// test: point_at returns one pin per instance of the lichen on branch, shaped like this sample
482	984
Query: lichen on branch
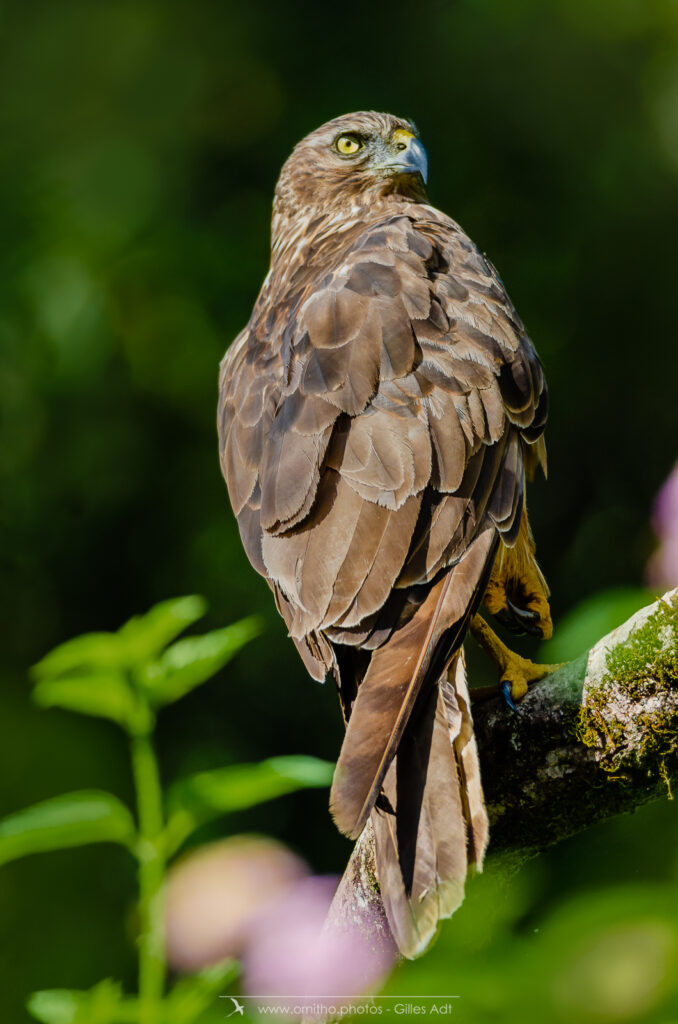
629	711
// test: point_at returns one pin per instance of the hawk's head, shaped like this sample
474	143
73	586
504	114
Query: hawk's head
356	155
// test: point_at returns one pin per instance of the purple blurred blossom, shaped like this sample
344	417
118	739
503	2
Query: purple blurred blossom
289	957
661	572
665	511
213	893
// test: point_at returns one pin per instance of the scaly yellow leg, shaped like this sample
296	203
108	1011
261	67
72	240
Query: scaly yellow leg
513	669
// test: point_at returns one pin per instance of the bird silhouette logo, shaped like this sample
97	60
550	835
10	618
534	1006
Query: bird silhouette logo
237	1008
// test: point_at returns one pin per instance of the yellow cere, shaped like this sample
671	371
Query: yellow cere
348	144
401	137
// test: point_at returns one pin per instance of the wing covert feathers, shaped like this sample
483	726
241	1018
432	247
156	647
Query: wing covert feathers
391	356
389	690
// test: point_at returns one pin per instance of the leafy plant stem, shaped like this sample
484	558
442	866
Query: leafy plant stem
151	857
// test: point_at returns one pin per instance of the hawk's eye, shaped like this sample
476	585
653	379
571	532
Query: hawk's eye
347	145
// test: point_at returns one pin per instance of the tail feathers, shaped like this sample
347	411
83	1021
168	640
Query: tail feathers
430	824
454	687
393	682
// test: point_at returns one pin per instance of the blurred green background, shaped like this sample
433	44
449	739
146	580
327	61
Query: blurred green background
141	141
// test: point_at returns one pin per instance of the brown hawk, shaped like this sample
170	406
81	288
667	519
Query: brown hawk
378	416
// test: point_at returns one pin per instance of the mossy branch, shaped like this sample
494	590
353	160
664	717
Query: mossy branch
597	738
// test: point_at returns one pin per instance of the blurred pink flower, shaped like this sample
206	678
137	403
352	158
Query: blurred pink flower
289	958
661	572
213	893
665	511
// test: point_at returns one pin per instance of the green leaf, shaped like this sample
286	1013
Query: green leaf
55	1005
74	819
207	795
89	651
144	636
191	996
141	638
240	786
104	694
305	772
594	618
103	1004
190	662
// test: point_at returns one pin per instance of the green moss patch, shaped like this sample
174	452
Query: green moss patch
631	717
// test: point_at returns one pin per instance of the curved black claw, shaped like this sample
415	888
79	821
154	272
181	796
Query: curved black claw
519	620
506	694
508	621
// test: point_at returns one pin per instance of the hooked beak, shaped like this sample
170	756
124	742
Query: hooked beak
416	160
412	160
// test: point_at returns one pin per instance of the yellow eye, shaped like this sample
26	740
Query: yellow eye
347	145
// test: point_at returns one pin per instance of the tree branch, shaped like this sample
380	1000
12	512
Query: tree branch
597	738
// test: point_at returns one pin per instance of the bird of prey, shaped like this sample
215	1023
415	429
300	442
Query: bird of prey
378	417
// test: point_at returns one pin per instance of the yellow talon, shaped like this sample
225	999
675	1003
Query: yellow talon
517	593
519	672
